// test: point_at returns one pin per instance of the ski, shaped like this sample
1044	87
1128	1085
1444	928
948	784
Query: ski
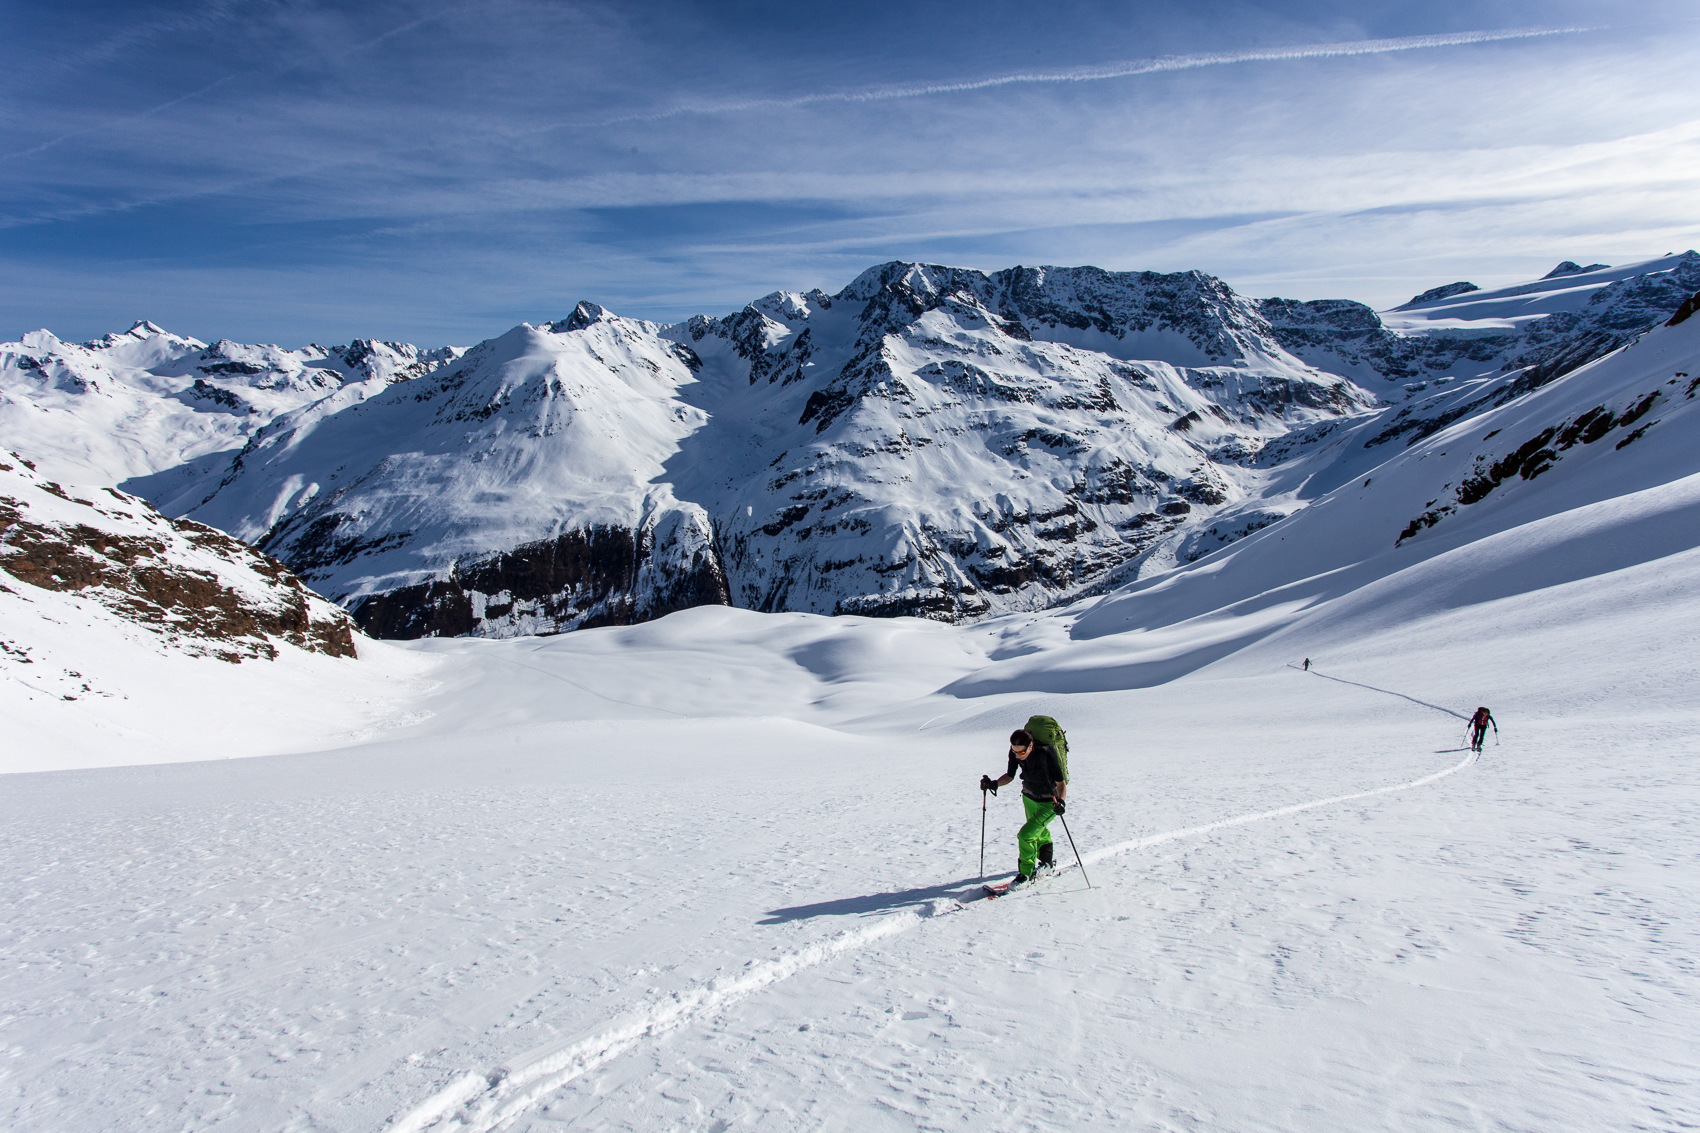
1001	888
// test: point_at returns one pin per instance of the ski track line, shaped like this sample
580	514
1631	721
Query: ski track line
481	1102
593	692
1278	812
1385	692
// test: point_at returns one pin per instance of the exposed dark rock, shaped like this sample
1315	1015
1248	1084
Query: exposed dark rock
204	390
1444	291
1686	311
1571	267
583	315
143	578
578	580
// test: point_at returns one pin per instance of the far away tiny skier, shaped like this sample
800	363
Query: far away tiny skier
1479	726
1044	792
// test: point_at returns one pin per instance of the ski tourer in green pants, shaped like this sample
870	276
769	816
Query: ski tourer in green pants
1044	790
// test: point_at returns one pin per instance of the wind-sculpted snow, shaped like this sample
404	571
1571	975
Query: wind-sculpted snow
658	876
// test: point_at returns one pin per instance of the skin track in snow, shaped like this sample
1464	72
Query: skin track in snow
482	1102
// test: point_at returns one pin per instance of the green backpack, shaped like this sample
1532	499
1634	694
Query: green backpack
1045	730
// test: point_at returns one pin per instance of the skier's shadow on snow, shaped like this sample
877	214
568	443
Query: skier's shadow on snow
1383	691
871	903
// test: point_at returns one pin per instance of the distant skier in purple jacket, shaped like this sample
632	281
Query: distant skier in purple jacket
1479	726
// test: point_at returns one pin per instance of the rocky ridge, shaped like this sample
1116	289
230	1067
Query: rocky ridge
198	590
930	440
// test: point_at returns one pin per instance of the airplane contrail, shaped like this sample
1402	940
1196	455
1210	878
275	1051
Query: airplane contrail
1104	71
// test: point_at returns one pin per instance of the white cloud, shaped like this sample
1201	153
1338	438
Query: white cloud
418	155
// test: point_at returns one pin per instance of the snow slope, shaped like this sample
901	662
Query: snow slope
716	871
147	401
563	900
123	637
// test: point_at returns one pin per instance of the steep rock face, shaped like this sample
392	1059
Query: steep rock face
939	442
594	576
200	590
929	440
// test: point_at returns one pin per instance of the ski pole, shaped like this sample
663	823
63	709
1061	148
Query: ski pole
1076	850
982	832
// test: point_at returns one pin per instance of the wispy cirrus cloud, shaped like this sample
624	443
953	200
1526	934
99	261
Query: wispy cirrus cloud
1098	73
442	160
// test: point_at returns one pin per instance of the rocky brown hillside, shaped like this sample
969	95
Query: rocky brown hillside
201	590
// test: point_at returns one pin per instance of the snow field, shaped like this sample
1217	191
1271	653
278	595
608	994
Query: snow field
665	922
86	688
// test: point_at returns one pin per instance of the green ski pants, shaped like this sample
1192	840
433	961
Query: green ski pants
1035	833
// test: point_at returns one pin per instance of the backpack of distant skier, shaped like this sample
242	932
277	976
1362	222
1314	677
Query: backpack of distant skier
1045	730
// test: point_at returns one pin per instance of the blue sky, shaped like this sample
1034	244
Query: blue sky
436	172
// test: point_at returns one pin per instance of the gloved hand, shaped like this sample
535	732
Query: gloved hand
987	783
1058	806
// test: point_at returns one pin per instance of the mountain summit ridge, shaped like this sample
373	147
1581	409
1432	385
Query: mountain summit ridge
937	441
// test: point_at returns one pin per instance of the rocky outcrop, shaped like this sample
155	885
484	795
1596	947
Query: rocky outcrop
578	580
1571	267
1435	294
197	588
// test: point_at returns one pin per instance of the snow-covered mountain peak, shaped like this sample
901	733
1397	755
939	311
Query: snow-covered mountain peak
1514	306
145	401
144	345
1571	267
929	440
907	276
584	314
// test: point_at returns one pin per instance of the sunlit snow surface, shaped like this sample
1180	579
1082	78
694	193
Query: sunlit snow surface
717	871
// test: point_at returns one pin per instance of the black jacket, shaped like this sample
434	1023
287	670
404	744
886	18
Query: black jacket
1040	772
